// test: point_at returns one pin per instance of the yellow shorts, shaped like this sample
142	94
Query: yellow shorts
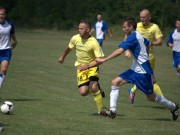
83	77
152	61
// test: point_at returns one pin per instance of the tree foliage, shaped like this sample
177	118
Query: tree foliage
64	14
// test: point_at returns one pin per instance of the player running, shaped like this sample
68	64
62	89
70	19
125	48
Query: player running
140	73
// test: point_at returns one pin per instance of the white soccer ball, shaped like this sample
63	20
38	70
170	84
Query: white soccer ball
7	107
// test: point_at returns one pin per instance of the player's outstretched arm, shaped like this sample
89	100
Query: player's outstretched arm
112	55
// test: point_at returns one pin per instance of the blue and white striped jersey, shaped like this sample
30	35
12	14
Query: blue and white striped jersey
100	27
138	46
6	30
174	38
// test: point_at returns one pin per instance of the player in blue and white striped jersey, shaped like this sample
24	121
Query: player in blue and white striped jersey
140	73
101	27
7	43
173	42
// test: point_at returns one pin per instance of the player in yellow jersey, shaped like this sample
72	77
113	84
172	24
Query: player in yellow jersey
87	50
152	32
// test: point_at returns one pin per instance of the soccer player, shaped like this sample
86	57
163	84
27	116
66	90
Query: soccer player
7	43
140	73
101	27
173	42
151	32
87	50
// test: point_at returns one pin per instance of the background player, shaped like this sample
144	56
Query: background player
173	42
7	34
151	32
101	27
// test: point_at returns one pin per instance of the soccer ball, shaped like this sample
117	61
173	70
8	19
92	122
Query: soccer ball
7	107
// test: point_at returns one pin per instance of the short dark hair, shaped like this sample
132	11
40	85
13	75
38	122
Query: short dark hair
2	8
178	19
131	21
86	22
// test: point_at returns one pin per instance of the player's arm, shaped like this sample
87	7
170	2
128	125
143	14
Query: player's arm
88	66
14	41
170	45
65	53
91	31
169	41
110	33
157	42
111	56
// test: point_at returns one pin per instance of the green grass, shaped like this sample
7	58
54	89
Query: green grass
47	101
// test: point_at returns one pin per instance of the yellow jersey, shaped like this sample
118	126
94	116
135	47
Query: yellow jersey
87	50
150	32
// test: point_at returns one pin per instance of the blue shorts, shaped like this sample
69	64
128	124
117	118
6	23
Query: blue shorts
143	81
5	55
176	59
100	41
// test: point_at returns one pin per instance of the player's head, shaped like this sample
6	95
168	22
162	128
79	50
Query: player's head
2	14
145	16
129	25
178	24
84	28
99	17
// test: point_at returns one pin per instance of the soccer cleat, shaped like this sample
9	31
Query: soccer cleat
175	112
131	96
106	112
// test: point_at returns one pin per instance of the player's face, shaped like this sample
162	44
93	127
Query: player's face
127	29
99	18
2	15
145	18
84	30
178	25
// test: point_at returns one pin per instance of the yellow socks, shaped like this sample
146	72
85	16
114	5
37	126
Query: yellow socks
157	90
98	100
134	89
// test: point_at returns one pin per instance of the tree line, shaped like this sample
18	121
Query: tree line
65	14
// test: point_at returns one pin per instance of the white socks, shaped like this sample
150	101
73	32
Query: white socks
163	101
1	79
114	97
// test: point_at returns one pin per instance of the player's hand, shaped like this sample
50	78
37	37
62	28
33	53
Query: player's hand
82	67
128	54
100	60
171	46
61	59
110	35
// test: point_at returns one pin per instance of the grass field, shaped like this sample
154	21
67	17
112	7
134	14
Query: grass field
47	101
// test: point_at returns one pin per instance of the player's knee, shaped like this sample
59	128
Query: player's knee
115	82
151	97
94	85
3	70
178	68
84	93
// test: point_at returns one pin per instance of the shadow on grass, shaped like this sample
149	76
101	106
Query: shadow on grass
120	116
96	114
22	99
157	119
146	106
